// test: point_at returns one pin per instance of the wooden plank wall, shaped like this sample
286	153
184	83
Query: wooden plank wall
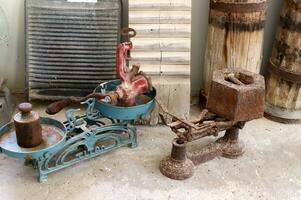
162	44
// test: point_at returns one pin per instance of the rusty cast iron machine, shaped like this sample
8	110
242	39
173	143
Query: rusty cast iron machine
236	96
112	109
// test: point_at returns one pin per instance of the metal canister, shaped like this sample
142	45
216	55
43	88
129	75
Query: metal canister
28	127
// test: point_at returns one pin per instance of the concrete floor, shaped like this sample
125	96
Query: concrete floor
269	169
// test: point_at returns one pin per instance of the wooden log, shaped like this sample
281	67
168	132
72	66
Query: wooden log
235	36
283	95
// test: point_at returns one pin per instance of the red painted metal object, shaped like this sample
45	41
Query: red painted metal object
133	83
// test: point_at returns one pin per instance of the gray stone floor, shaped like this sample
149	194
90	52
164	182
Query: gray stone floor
269	169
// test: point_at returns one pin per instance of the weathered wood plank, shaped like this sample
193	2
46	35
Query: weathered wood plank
168	58
175	70
161	44
149	69
163	27
149	58
174	5
146	44
162	30
175	58
159	17
144	17
175	45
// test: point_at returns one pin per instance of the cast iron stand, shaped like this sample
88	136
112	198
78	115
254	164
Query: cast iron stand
180	164
87	137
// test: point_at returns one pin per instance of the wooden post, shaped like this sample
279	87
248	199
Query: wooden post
235	36
283	96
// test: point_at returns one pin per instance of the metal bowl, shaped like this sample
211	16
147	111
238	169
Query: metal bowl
53	133
146	103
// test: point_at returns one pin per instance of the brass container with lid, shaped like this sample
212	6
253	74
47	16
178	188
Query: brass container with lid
28	127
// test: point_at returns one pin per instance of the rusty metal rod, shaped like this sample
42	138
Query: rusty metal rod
231	77
164	109
60	105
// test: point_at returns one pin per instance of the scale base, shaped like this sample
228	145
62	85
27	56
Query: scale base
85	143
87	137
177	166
180	164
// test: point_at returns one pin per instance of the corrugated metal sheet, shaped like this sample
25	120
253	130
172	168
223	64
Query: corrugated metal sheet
163	40
70	46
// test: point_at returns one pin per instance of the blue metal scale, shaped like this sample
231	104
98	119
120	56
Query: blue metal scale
102	129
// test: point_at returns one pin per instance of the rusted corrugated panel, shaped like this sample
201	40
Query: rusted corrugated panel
163	40
70	46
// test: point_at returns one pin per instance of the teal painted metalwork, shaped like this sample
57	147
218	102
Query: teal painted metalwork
124	113
102	129
9	146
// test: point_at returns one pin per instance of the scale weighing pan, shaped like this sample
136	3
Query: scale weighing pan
53	133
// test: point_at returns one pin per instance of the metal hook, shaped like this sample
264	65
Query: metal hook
129	32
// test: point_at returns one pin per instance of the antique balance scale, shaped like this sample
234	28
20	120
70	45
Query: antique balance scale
111	111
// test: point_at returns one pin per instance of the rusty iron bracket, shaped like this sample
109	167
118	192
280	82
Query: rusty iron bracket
185	122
